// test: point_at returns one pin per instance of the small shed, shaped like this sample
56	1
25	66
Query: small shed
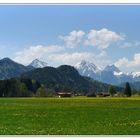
64	94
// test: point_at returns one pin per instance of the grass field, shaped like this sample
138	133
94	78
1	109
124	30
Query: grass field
70	116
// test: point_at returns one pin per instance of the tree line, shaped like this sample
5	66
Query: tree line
23	87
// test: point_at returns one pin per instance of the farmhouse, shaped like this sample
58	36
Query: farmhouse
103	94
64	94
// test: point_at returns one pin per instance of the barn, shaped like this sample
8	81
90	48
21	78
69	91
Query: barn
64	94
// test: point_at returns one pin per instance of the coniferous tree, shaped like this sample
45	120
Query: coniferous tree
127	90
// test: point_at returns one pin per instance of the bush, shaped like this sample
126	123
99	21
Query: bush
44	92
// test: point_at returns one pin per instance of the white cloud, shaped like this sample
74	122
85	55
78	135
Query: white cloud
58	55
129	65
70	58
102	38
73	39
75	57
33	52
102	59
130	44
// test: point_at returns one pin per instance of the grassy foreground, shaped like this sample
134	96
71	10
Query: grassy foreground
71	116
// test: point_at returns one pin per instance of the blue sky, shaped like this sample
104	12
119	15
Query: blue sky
67	34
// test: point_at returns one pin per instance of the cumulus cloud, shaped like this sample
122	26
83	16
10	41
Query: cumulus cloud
33	52
102	59
70	58
58	55
75	57
102	38
130	65
73	39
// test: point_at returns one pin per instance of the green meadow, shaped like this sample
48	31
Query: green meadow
70	116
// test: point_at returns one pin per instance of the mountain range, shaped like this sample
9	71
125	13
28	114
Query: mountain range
110	74
9	68
62	78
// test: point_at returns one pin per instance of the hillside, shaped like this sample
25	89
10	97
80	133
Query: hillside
9	68
65	78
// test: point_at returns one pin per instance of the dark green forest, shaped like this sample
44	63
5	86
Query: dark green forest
18	87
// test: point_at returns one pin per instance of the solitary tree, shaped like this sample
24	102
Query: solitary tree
112	90
41	92
23	91
127	90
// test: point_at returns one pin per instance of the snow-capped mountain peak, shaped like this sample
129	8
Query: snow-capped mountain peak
88	69
38	64
87	66
118	73
135	74
112	68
